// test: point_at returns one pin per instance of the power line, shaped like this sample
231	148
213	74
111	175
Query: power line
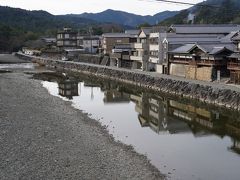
177	2
229	12
184	3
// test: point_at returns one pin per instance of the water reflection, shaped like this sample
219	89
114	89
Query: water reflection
68	88
160	114
172	123
164	115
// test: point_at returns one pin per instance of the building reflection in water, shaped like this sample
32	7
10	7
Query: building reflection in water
236	146
153	113
165	114
68	88
114	96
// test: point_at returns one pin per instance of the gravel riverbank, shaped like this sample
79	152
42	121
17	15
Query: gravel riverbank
43	137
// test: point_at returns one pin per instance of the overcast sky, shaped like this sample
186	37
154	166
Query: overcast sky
143	7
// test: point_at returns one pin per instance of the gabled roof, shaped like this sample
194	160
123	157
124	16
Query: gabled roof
187	48
228	38
235	55
173	38
236	38
217	50
146	31
211	49
205	28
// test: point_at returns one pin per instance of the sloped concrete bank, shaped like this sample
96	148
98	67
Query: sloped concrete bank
220	95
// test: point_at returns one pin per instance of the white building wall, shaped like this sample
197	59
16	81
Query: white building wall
159	68
153	47
154	35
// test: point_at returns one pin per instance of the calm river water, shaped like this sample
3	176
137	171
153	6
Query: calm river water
185	140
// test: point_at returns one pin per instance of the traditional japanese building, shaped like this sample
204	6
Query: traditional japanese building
179	35
200	61
234	62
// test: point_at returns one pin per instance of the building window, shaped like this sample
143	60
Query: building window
66	43
165	45
165	56
154	41
143	40
66	36
154	53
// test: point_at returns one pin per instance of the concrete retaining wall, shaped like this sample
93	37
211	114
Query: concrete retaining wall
89	58
205	93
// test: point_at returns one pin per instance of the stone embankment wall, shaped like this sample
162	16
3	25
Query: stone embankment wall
204	92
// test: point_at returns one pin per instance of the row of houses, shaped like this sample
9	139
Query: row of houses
201	52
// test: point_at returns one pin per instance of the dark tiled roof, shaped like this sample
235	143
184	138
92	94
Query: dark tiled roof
205	29
184	49
211	49
147	30
236	38
235	55
229	37
216	48
173	38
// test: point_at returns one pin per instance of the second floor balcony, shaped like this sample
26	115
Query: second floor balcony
234	66
154	60
140	46
153	47
136	58
203	62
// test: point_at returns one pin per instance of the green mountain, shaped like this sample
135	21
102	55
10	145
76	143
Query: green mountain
18	26
38	21
127	19
208	12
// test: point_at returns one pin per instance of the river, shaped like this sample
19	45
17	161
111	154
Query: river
183	139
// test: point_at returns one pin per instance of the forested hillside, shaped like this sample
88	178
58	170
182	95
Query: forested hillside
209	12
127	19
18	26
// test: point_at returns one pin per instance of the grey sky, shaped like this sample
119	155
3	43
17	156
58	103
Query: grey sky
146	7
